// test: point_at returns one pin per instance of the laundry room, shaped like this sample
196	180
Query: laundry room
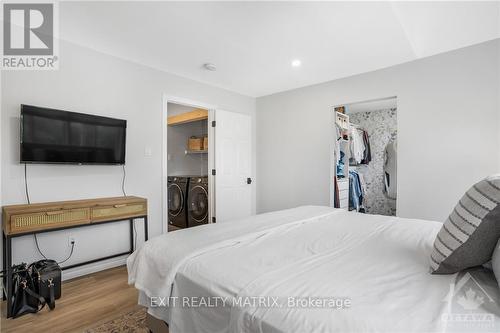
187	166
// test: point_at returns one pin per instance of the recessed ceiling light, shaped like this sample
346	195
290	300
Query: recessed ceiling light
296	63
210	67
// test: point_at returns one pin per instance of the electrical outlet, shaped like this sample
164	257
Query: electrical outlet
71	240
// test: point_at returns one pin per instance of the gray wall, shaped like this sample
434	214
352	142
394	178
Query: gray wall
448	124
92	82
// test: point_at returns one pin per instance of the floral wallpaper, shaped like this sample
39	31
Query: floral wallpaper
381	126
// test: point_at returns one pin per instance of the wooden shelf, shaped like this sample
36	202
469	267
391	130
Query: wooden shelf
187	117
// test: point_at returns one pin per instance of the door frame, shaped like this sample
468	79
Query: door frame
164	155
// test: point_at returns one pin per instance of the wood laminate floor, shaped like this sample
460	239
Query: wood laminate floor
85	302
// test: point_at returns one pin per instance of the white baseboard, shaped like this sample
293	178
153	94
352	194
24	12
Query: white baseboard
93	268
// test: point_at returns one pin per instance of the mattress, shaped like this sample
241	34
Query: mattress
309	269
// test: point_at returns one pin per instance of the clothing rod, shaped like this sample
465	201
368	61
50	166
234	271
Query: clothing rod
356	125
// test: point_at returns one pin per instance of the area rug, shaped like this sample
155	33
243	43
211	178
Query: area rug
134	321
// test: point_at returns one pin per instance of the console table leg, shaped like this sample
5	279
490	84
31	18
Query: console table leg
4	267
146	228
8	263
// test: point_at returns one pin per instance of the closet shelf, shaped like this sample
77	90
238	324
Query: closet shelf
195	152
188	117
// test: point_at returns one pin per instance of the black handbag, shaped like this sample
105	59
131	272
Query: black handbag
46	275
24	298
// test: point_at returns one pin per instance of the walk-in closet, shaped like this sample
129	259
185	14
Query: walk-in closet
364	158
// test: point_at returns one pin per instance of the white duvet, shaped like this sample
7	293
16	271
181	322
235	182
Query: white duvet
379	264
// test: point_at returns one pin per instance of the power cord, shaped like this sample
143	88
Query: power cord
123	180
135	236
34	235
59	262
70	254
26	183
125	194
38	247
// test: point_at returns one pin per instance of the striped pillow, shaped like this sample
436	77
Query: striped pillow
469	235
495	262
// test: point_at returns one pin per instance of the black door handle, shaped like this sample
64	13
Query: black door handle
249	181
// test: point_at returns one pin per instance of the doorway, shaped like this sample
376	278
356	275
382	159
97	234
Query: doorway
216	146
365	156
188	150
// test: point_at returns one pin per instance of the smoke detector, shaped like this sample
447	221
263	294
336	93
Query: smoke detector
210	67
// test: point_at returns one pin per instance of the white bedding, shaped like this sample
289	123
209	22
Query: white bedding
380	264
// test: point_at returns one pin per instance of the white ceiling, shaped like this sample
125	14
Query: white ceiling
253	43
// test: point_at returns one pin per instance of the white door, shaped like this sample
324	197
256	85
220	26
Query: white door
233	183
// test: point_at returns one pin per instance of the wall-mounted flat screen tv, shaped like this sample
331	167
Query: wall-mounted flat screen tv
56	136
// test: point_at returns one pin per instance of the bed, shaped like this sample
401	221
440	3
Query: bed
311	269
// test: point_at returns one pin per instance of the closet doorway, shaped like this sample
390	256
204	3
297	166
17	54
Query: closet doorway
364	159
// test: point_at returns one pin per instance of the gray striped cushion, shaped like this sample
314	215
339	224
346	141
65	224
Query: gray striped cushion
469	235
495	262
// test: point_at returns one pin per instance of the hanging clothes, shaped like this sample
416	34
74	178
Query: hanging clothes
340	165
363	184
367	156
343	147
338	137
355	191
360	146
357	146
390	170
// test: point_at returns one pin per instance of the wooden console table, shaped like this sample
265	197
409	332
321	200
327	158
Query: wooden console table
21	220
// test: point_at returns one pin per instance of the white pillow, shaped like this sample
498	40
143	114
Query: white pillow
495	262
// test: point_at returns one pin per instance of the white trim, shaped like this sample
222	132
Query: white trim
211	116
368	101
164	184
188	102
333	162
97	267
1	204
211	165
